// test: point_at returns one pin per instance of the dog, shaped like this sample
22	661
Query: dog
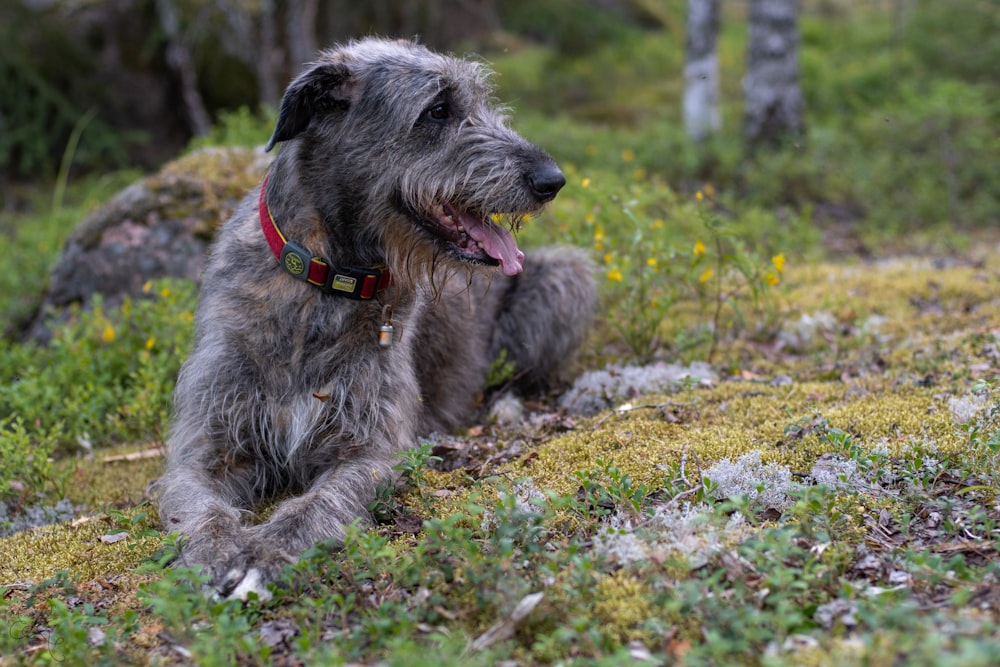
356	300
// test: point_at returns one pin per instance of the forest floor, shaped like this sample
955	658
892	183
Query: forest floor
831	499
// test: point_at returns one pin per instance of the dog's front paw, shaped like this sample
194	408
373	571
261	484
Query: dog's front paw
240	583
251	572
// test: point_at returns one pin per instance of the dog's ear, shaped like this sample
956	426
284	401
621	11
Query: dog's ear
325	87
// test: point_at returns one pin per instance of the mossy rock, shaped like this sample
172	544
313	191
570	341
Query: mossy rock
158	227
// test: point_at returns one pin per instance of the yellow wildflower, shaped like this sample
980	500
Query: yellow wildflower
108	334
628	155
609	258
585	183
651	262
165	292
657	224
706	276
779	262
699	249
146	286
699	196
709	190
771	278
615	274
150	342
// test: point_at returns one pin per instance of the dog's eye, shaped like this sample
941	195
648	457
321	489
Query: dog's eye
439	112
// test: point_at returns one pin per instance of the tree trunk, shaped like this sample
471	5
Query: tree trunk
774	103
180	61
300	34
270	72
701	70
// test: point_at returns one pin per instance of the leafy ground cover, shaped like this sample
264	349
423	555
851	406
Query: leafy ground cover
782	448
828	497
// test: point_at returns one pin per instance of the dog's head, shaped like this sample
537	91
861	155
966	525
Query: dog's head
404	147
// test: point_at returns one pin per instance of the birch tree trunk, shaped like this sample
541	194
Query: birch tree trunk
179	59
701	70
300	34
773	99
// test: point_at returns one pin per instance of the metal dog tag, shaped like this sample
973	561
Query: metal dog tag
386	332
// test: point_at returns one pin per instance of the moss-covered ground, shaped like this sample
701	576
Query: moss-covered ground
615	517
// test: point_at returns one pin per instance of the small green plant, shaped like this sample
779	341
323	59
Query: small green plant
135	525
873	463
240	127
27	470
648	277
605	489
216	632
411	476
415	463
76	634
501	371
737	270
983	433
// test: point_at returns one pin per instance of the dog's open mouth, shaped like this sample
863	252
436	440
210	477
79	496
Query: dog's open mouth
475	239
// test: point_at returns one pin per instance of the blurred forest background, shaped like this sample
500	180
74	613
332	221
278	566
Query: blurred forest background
901	104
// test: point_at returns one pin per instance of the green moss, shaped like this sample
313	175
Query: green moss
109	480
228	171
623	605
208	184
110	490
36	555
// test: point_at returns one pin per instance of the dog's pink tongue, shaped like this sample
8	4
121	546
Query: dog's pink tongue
497	241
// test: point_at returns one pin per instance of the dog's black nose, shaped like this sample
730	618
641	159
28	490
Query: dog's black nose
546	182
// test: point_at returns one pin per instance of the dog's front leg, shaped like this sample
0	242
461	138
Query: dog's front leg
334	501
212	537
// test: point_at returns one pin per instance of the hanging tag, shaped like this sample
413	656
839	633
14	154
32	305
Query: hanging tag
386	331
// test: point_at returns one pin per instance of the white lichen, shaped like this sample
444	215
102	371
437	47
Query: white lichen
679	530
965	409
766	484
600	390
527	503
803	333
835	472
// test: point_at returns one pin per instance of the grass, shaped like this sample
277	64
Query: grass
829	499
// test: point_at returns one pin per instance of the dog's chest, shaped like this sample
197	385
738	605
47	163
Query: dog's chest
344	399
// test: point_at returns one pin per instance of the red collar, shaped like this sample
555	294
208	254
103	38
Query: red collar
302	264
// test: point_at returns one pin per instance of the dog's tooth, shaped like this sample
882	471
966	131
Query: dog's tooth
460	228
480	244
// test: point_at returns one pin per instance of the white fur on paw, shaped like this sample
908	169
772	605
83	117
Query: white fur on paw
251	583
507	411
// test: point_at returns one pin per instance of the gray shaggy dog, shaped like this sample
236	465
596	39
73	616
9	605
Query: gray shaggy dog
356	300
